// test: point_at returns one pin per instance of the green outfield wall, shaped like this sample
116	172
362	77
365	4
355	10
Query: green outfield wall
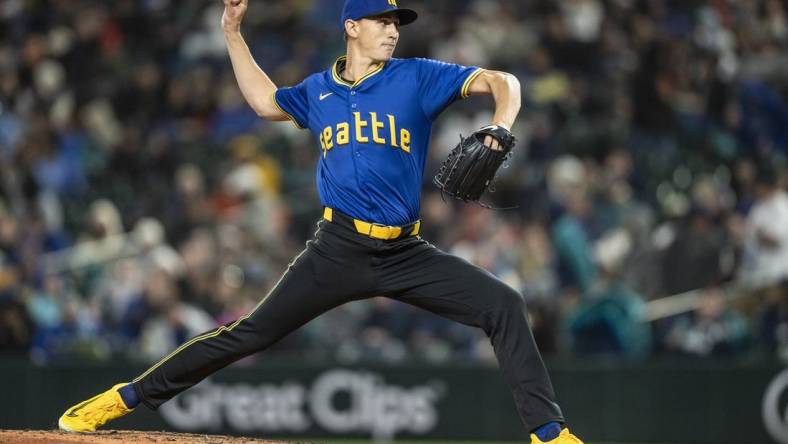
659	402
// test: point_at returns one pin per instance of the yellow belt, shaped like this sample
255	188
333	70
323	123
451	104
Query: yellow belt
376	231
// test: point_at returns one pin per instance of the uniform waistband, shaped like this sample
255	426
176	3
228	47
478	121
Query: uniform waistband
373	230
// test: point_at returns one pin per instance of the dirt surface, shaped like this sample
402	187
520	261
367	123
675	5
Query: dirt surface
119	436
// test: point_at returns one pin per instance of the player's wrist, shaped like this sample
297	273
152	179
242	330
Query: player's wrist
502	124
232	35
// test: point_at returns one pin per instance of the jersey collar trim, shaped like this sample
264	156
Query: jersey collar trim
341	81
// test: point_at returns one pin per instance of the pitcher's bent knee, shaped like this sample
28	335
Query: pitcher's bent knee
507	303
510	300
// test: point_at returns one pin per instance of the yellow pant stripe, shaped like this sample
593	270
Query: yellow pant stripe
219	330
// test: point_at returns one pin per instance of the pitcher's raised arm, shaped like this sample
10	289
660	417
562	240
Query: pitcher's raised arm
256	87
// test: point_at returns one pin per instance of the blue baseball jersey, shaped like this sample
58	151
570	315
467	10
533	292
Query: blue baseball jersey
374	134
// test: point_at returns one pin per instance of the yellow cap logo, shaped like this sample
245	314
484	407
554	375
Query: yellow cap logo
393	3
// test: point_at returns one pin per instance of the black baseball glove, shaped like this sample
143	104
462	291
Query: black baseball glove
471	166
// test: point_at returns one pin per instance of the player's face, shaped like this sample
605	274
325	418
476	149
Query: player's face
378	36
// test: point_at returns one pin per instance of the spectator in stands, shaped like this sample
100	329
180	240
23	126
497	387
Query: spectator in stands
765	255
714	328
571	235
611	319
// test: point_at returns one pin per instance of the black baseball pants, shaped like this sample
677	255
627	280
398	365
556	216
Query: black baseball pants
340	265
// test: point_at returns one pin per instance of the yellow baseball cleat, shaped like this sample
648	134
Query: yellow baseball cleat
89	415
564	438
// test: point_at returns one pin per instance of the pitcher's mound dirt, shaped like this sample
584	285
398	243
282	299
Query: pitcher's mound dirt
119	436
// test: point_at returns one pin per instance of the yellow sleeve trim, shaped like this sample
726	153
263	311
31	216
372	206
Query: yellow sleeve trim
289	116
467	84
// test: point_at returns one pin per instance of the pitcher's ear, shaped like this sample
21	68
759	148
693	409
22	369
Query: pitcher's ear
351	29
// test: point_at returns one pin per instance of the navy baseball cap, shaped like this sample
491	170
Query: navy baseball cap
359	9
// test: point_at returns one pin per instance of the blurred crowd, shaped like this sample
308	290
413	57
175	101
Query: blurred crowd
142	202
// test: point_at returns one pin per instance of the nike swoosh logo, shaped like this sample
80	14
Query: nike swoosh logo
323	96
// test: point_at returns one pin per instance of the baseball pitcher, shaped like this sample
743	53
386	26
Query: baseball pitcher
371	116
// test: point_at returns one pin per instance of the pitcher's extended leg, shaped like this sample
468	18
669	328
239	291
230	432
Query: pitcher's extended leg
316	281
449	286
